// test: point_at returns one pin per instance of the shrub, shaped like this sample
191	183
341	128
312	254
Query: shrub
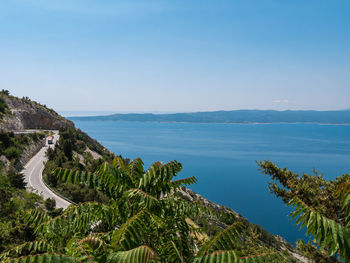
12	153
67	149
5	140
16	179
5	92
50	154
3	105
52	180
50	204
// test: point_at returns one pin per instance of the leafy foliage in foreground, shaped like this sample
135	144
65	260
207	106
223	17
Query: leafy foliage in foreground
46	258
327	232
13	202
143	221
139	254
322	206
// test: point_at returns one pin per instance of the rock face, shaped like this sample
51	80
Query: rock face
27	114
29	152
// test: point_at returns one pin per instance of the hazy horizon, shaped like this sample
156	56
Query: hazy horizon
183	56
89	113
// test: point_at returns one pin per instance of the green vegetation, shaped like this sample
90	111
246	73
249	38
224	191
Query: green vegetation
135	213
3	105
12	145
210	223
322	206
73	152
4	92
125	213
14	203
144	220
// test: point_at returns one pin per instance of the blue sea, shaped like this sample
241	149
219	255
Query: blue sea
223	158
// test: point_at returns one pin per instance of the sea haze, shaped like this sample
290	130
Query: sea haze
223	158
235	116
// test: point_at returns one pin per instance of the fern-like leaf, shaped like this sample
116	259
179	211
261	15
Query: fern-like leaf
79	219
141	199
156	180
142	254
263	258
327	232
119	163
35	217
39	246
44	258
135	169
93	241
131	234
172	253
343	192
185	181
108	179
228	256
225	240
75	176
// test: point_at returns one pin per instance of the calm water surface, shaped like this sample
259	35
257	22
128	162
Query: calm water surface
223	158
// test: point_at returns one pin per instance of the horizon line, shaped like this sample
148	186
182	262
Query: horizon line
107	113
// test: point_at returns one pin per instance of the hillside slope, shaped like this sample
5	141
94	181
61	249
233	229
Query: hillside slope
74	152
27	114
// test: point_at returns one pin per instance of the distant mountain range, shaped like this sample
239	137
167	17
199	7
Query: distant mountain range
236	116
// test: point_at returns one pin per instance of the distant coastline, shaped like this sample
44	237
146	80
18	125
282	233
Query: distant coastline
241	123
232	117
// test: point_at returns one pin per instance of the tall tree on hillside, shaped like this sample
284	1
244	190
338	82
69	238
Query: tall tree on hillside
68	149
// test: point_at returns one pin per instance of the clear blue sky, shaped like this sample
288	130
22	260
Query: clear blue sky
179	55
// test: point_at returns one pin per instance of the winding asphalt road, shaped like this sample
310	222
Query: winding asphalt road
34	178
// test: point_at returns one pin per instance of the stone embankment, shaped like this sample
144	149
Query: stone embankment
29	152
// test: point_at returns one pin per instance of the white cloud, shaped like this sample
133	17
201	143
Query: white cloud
280	101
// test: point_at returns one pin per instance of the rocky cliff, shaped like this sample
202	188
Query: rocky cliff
26	114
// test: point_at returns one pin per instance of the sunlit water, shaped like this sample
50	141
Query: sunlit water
223	158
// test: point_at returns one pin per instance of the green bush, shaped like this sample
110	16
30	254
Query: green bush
68	149
3	105
5	92
50	204
17	181
12	153
50	154
5	140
